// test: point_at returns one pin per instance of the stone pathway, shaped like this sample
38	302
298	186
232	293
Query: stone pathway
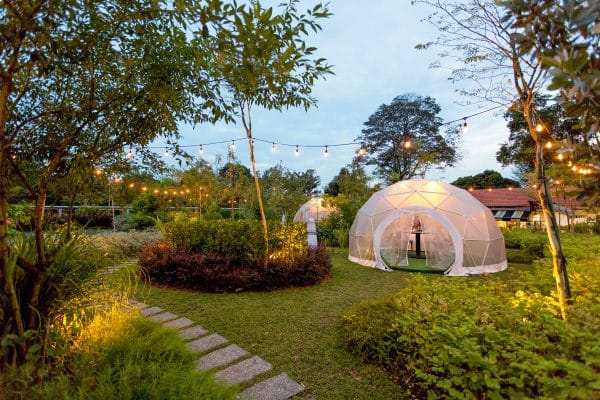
232	364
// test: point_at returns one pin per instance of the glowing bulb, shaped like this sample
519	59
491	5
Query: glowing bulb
407	144
362	150
144	188
570	164
465	127
129	154
326	152
156	191
539	127
548	144
574	168
166	153
131	185
273	147
297	152
560	156
489	189
232	146
510	188
471	189
557	182
201	149
97	171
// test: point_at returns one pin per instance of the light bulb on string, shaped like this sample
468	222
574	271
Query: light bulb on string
549	144
297	152
232	146
407	144
166	153
560	157
362	150
273	148
539	127
326	152
201	149
129	154
465	127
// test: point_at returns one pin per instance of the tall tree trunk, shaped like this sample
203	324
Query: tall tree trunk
245	108
552	229
41	263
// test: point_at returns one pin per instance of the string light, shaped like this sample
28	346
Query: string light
297	152
201	149
131	185
362	150
144	188
129	154
539	127
326	152
560	156
232	146
407	144
465	127
166	153
549	144
273	149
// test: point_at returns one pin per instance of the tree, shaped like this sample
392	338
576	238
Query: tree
403	140
285	191
519	150
502	71
484	180
264	61
565	36
352	181
81	81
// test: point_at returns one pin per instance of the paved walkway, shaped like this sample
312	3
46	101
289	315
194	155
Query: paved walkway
232	364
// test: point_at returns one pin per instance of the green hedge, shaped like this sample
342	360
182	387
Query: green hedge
533	243
242	241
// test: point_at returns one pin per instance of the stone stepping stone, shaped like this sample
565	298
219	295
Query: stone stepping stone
138	304
206	343
192	332
163	317
146	312
243	371
221	357
179	323
279	387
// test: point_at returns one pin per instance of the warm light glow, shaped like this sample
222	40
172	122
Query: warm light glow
129	154
407	144
144	188
187	190
166	192
297	152
326	152
489	189
560	157
548	144
570	164
539	127
510	188
156	191
574	168
465	127
362	150
97	171
471	189
131	185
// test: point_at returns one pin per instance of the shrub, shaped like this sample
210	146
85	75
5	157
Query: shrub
240	241
488	337
532	243
166	265
140	221
91	217
118	245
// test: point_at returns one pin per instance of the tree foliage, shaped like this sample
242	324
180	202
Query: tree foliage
484	180
403	139
519	150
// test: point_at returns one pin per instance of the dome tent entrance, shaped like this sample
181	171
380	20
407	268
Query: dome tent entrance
313	208
430	224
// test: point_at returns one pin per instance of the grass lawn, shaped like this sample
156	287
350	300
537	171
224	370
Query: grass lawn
297	330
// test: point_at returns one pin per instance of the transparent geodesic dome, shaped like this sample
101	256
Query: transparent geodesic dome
429	224
313	208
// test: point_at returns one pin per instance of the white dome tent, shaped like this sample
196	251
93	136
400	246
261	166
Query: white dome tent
313	208
427	225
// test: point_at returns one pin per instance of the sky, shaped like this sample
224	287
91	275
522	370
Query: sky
371	46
